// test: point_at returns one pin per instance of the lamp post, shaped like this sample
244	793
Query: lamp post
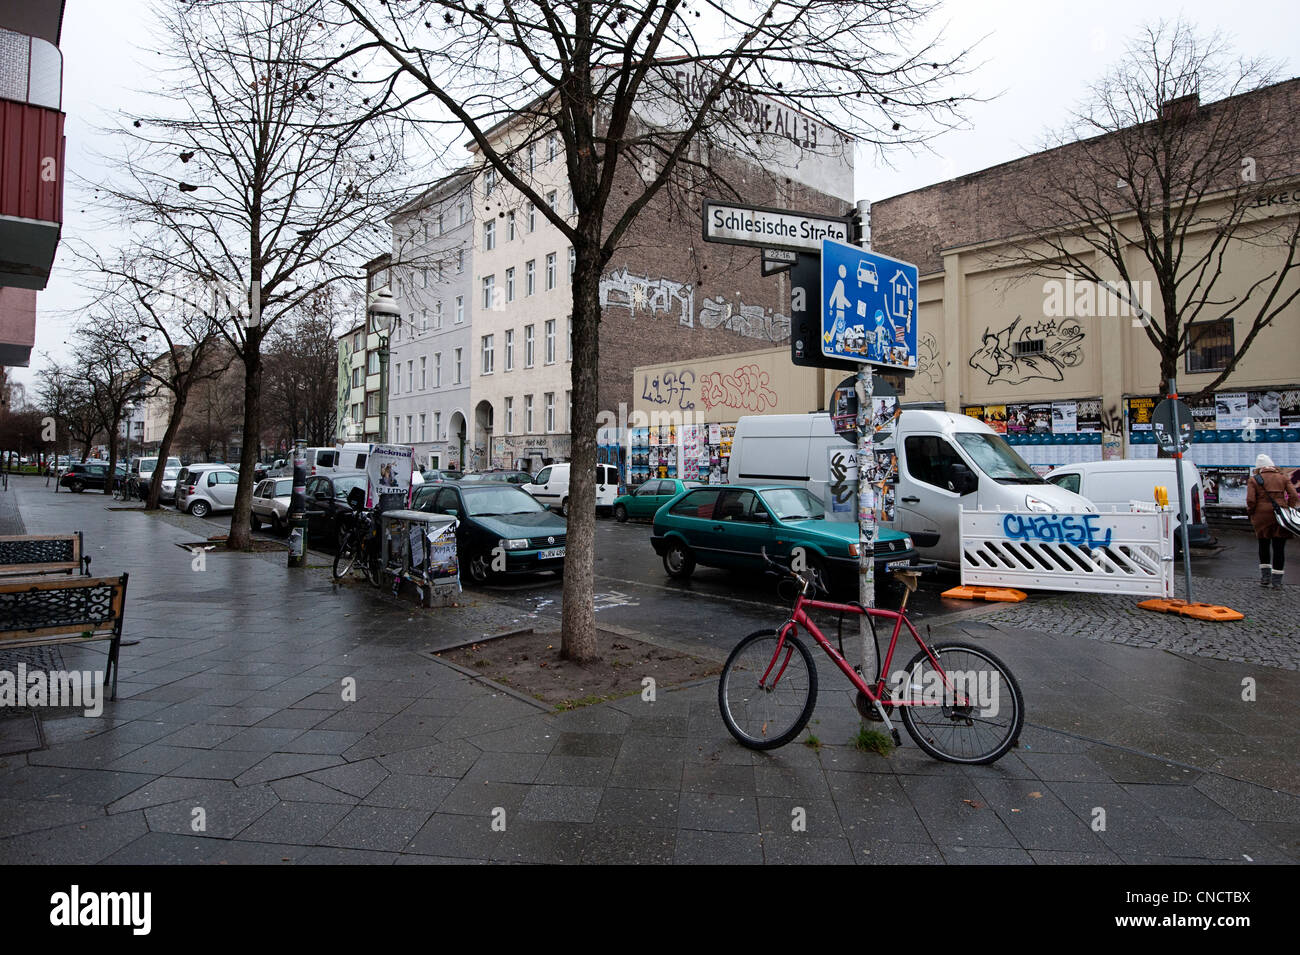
381	308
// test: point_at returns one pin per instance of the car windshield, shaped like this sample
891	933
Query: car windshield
994	457
170	473
284	487
341	485
793	504
499	500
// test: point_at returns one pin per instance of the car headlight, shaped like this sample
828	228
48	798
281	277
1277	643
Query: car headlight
907	542
1036	504
518	543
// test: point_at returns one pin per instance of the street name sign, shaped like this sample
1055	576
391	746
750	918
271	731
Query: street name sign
772	228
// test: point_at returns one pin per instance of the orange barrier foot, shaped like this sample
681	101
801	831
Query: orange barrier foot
1196	610
1003	594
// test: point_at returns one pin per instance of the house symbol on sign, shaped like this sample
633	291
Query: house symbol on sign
901	297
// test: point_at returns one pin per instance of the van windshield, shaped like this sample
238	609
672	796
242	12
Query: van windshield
994	457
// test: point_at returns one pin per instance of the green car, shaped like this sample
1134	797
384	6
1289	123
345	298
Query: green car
727	525
649	497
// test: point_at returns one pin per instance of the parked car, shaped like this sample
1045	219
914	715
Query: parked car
496	476
327	503
89	476
142	467
167	494
551	486
1113	484
202	489
727	526
649	497
501	531
271	499
437	475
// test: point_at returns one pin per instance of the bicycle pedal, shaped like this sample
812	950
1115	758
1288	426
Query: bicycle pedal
898	740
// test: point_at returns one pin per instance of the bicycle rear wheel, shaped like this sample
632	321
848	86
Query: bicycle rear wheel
766	698
974	716
346	555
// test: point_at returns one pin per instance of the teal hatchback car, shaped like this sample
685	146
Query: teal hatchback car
649	497
726	526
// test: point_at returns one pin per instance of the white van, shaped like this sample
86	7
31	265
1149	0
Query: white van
1114	484
946	462
352	459
551	486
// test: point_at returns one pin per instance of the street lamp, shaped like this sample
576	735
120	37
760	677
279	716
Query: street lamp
381	309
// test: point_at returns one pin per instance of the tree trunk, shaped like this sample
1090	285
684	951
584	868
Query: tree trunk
240	533
112	459
164	449
578	640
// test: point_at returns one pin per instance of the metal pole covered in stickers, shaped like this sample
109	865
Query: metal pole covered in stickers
866	518
298	507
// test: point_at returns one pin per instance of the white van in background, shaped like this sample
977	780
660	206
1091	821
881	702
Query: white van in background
946	462
1114	484
551	486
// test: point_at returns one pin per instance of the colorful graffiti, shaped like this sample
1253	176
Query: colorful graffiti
746	388
636	293
998	357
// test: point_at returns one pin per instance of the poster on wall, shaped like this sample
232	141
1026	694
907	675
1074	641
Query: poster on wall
1017	419
690	465
1230	410
1203	412
995	416
1065	417
975	411
1040	418
1264	408
1088	416
1139	412
715	434
1290	411
841	481
388	476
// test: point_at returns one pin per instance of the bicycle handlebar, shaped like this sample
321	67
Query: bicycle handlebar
806	581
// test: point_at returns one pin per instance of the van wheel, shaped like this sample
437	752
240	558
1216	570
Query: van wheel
620	513
564	507
679	562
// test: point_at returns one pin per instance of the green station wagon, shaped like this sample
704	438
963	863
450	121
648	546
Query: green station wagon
726	526
649	497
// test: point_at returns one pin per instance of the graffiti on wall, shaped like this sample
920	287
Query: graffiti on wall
670	388
745	388
1007	357
751	321
929	368
638	294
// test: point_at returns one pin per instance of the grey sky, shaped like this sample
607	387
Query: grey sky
1036	58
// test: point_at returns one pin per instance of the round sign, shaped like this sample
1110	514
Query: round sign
1172	425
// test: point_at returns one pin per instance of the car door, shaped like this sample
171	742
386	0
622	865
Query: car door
541	487
645	499
741	526
96	475
927	506
320	492
222	485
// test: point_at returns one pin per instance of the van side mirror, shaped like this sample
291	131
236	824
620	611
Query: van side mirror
963	481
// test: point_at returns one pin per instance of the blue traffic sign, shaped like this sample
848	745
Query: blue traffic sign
868	307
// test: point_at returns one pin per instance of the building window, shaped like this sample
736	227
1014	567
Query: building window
1209	345
410	375
528	414
550	412
441	227
573	204
460	309
510	416
356	377
372	363
573	261
568	411
460	260
410	429
456	368
424	320
532	218
372	403
489	181
528	346
510	349
487	354
550	341
437	314
550	271
510	226
397	428
489	289
510	285
552	147
356	342
530	277
551	200
489	235
423	369
437	425
569	353
532	159
461	213
437	369
422	424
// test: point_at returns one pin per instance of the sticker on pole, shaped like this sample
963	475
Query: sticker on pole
868	307
1172	424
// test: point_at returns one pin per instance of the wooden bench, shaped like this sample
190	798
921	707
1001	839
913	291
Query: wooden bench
30	554
44	610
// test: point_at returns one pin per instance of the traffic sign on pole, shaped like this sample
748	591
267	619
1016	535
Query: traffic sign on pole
1172	425
868	307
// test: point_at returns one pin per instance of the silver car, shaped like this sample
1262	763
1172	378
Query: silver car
202	489
167	493
271	500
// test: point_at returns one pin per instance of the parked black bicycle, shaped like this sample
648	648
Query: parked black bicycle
358	540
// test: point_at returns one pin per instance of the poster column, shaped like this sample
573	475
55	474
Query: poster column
298	506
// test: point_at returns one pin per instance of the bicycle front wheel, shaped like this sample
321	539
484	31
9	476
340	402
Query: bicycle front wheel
346	555
766	696
968	710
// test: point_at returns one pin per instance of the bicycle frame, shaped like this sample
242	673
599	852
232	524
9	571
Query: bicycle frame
876	694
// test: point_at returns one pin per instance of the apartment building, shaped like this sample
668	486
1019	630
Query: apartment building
430	362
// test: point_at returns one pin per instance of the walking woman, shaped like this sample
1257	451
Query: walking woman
1268	486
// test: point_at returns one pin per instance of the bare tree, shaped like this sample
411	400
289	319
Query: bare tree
65	396
636	94
302	390
261	169
110	377
1147	179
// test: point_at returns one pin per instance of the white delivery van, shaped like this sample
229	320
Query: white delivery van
946	462
1112	485
551	486
352	459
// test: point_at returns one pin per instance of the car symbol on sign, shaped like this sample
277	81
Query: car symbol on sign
867	273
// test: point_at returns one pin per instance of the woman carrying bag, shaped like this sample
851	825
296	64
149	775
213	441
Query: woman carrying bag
1268	490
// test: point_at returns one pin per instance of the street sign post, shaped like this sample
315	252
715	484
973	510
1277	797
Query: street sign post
868	307
1172	424
767	228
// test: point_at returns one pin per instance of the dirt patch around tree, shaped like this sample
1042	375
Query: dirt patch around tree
530	663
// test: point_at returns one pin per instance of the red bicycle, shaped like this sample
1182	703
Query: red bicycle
959	702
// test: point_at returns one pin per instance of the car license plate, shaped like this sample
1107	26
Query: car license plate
548	554
898	565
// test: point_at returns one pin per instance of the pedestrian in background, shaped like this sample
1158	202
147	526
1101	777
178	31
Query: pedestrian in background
1269	486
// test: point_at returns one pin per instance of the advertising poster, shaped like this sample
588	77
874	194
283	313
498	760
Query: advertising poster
388	476
1290	411
1088	420
883	413
995	416
1139	412
1264	408
690	464
715	434
975	411
1040	418
1017	419
442	551
1203	412
1230	410
1231	490
1065	417
841	482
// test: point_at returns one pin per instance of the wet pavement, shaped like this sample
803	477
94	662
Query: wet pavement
234	703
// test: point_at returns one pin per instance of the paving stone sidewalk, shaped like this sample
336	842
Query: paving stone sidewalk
232	712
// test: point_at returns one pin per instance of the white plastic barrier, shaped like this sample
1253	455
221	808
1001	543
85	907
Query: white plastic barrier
1118	553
